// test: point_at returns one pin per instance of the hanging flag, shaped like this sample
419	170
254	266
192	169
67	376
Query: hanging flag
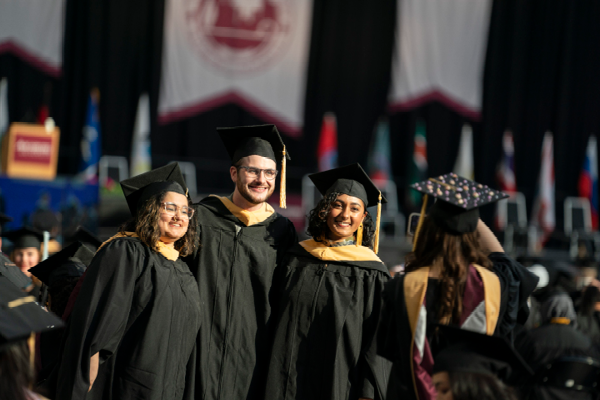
4	119
251	53
588	179
440	54
33	31
141	156
327	151
506	171
419	161
379	157
90	142
464	160
543	214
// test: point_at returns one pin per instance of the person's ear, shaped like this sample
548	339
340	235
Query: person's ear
233	171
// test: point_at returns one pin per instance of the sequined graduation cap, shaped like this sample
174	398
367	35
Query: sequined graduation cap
259	140
24	237
467	351
353	181
69	262
20	316
140	188
458	200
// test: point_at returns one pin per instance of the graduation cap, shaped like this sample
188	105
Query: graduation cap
20	316
257	140
83	235
140	188
72	261
468	351
25	237
11	272
353	181
458	200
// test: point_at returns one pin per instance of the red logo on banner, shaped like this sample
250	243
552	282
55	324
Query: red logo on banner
33	149
239	35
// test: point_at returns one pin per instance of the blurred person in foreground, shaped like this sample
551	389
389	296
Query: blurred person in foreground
331	298
134	324
557	337
242	241
457	274
473	366
20	318
588	317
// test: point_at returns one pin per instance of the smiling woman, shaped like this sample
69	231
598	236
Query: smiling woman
135	322
331	299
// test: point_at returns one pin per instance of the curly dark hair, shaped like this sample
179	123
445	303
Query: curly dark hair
145	224
457	252
476	386
317	221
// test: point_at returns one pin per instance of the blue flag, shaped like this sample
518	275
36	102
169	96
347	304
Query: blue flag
90	141
380	168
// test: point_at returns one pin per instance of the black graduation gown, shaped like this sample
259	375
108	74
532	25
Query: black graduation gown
235	267
141	312
325	328
394	339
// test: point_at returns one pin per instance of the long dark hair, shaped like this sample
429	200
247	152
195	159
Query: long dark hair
317	221
475	386
145	224
456	252
16	371
591	296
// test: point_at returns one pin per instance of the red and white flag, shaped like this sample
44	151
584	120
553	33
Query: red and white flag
543	211
506	171
33	30
440	54
253	53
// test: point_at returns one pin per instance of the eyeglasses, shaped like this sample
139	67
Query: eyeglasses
270	174
171	209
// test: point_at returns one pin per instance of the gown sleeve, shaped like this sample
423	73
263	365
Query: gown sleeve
517	284
100	314
373	368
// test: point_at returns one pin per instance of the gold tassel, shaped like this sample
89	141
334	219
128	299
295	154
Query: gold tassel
282	199
421	217
376	242
31	344
359	235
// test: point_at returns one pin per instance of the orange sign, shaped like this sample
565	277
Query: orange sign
30	151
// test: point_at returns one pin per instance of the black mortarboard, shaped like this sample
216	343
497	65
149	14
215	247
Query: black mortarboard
140	188
257	140
467	351
11	272
24	237
353	181
458	200
69	262
20	316
86	237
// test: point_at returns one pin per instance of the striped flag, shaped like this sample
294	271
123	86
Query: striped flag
379	156
506	171
464	160
588	179
141	156
419	165
543	214
327	150
90	142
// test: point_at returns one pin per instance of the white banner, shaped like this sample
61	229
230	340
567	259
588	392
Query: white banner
250	52
33	30
440	54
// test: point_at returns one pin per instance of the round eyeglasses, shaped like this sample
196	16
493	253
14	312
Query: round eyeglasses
171	210
252	172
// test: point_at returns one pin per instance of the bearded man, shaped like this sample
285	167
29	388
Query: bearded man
242	241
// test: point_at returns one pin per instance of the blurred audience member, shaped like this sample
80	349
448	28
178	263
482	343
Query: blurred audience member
26	253
588	317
